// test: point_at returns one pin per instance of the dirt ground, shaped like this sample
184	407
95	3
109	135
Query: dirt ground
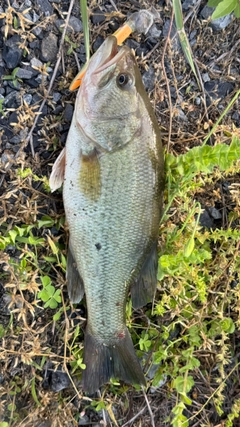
35	389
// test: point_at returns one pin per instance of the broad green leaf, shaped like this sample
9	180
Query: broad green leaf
237	10
182	384
43	295
224	8
50	290
213	3
13	235
227	325
45	280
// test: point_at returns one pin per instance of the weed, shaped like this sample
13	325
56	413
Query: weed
224	7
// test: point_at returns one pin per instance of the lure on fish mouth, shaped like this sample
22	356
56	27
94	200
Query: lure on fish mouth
112	171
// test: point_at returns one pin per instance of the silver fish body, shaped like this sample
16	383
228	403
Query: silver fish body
112	192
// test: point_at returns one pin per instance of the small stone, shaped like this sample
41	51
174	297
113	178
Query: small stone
97	17
197	100
215	214
56	96
32	83
49	48
59	381
224	89
154	32
27	98
10	100
187	4
12	55
22	73
37	31
45	7
148	79
99	40
74	24
35	17
15	139
41	78
68	113
205	77
36	63
83	421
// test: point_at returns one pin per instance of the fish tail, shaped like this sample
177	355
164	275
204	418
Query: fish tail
117	360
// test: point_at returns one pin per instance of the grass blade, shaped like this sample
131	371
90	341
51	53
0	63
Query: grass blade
183	37
84	13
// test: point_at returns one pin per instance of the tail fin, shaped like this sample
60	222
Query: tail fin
117	360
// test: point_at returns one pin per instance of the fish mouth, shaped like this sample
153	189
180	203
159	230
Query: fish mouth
110	54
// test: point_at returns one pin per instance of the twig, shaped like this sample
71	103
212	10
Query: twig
166	79
149	408
52	78
135	417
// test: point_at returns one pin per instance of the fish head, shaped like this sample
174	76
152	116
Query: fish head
108	104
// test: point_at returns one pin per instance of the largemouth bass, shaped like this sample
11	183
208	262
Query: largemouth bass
112	174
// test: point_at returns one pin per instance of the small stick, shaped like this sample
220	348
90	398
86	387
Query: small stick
135	417
52	78
149	408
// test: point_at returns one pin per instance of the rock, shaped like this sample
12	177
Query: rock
99	40
205	77
56	96
45	7
154	32
224	89
60	381
188	4
74	24
68	113
22	73
216	24
12	100
32	83
215	214
206	220
84	420
27	97
148	79
97	17
35	17
49	48
12	55
36	63
15	139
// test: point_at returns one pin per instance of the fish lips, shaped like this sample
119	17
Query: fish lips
105	59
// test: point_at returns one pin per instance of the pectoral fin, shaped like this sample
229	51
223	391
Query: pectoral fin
143	290
58	171
75	283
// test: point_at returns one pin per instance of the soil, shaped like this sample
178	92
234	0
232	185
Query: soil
30	42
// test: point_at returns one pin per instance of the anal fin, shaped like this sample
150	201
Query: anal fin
75	283
143	289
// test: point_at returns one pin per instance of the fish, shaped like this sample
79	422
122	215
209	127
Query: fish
112	171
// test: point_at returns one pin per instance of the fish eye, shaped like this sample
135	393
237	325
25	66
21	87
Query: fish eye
123	80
